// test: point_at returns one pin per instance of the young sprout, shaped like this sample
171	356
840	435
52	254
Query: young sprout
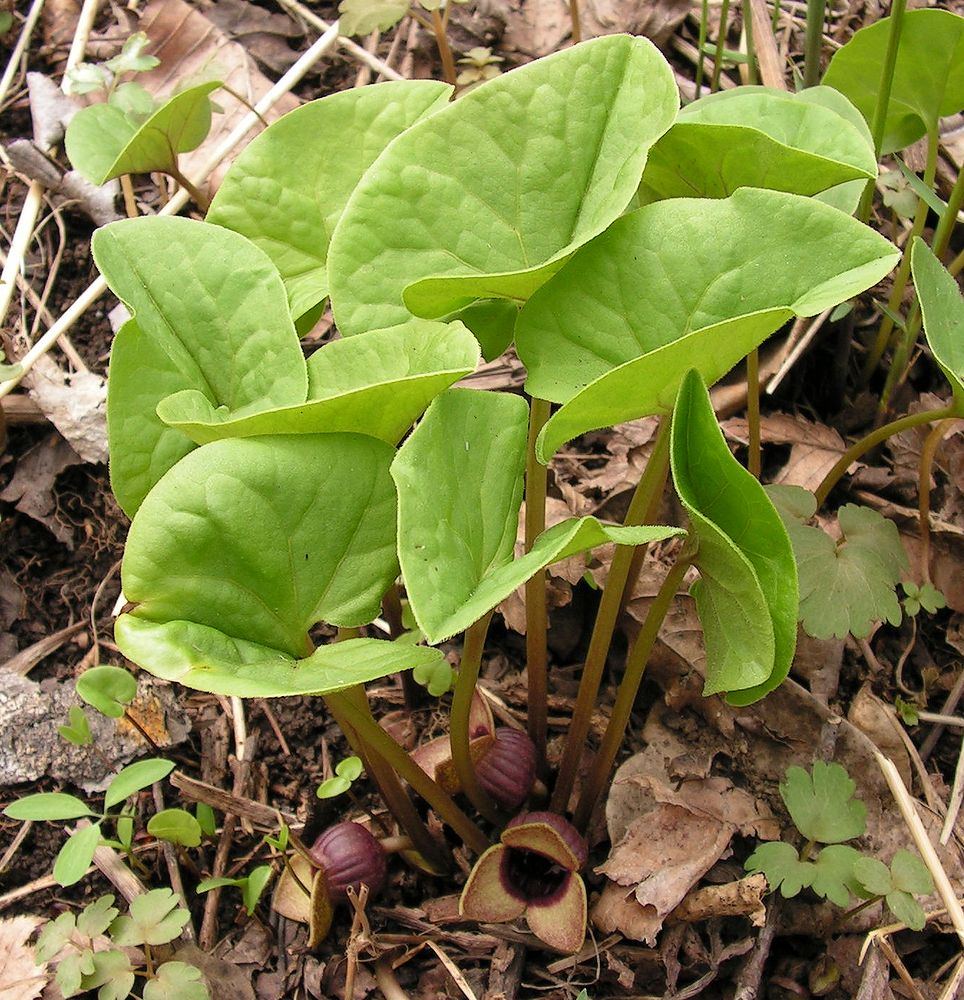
534	872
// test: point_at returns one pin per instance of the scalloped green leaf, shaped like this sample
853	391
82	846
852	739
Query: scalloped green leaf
487	198
942	308
102	142
287	189
834	876
758	137
782	867
261	538
680	284
747	593
206	659
822	804
378	384
468	454
928	79
142	447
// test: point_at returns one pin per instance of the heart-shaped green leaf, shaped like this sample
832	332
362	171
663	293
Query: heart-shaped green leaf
747	593
142	447
758	137
176	826
468	455
928	78
263	537
943	310
287	189
486	198
684	284
378	384
108	689
206	659
103	142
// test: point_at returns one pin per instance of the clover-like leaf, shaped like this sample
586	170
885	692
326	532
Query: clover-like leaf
102	142
361	17
759	137
176	981
822	804
77	729
112	976
378	385
47	806
176	826
906	909
873	877
71	970
910	874
834	878
134	777
468	455
928	78
907	875
486	198
108	689
132	57
782	867
942	308
75	856
96	917
683	284
54	936
747	593
435	677
289	210
155	917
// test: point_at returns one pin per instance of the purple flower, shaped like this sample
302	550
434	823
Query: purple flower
534	871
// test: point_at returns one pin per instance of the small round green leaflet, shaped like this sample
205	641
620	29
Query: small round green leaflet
134	777
76	855
108	689
943	310
345	773
487	197
746	597
176	826
287	189
683	284
47	806
102	142
928	81
759	137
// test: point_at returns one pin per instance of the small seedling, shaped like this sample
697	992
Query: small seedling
480	65
824	809
907	710
435	677
346	772
252	886
77	729
154	918
925	595
108	689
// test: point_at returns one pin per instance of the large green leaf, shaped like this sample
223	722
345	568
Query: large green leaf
758	137
287	189
206	659
261	538
213	302
943	310
680	284
378	384
747	593
486	198
103	142
928	81
142	447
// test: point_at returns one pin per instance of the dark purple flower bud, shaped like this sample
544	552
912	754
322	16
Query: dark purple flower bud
350	855
508	768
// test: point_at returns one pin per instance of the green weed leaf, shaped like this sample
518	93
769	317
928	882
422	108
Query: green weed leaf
77	730
108	689
331	788
290	211
834	876
435	677
360	17
132	57
782	867
910	874
53	937
176	981
254	886
112	975
205	818
96	917
942	308
747	593
134	777
822	804
683	284
102	142
75	856
176	826
70	971
759	137
156	917
928	79
906	909
486	198
134	101
47	806
873	876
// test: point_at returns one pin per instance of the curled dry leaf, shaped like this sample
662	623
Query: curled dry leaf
21	978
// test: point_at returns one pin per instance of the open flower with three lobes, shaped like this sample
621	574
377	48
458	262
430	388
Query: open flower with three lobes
534	871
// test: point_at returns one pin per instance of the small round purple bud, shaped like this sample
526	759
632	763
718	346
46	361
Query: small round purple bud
350	855
508	768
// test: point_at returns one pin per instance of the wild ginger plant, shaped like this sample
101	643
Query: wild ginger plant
270	493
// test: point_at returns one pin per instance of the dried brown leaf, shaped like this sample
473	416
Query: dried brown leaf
20	977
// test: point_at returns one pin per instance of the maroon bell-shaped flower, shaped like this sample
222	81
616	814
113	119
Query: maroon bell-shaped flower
534	872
